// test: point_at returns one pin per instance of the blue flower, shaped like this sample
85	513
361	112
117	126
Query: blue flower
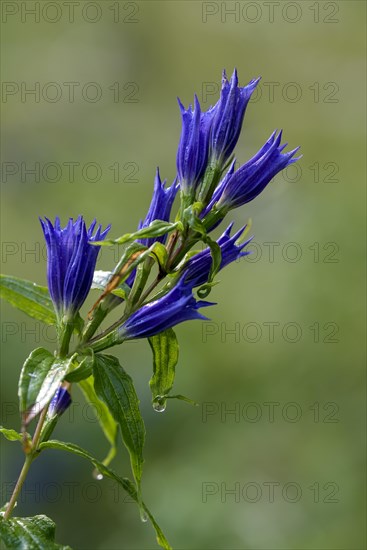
196	270
193	149
242	186
71	260
160	207
176	306
59	403
228	117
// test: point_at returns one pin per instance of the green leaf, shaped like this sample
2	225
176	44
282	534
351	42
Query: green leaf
216	257
41	375
211	179
105	419
115	388
165	356
159	251
11	435
205	289
183	398
82	371
196	224
124	482
156	229
34	533
28	297
131	257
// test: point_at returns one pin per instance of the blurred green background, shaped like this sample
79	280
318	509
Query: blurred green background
285	470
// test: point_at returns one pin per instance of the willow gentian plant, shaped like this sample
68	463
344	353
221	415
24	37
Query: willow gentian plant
161	280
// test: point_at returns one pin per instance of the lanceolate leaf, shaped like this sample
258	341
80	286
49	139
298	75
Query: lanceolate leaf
39	379
33	373
159	251
11	435
105	419
123	481
115	387
165	356
34	533
216	257
28	297
156	229
82	371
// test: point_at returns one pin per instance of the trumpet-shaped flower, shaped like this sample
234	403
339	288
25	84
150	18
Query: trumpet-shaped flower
228	117
193	149
160	207
60	402
196	270
71	260
175	307
242	186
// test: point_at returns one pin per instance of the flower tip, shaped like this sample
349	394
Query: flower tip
174	187
293	152
196	103
228	231
92	226
272	137
252	84
57	224
180	104
278	138
104	233
204	303
157	177
231	168
237	236
233	83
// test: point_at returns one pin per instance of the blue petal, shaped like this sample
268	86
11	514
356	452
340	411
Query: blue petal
71	260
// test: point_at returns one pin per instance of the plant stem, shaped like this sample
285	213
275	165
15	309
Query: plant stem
22	476
99	315
27	464
38	430
143	272
64	338
149	290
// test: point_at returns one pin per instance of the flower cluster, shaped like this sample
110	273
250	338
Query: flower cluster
209	187
167	268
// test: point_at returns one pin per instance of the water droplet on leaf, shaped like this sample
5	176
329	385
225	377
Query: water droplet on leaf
97	475
143	515
159	403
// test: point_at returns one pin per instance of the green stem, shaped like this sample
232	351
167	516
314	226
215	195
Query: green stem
102	342
22	476
148	291
27	464
143	272
183	248
66	332
109	337
98	316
